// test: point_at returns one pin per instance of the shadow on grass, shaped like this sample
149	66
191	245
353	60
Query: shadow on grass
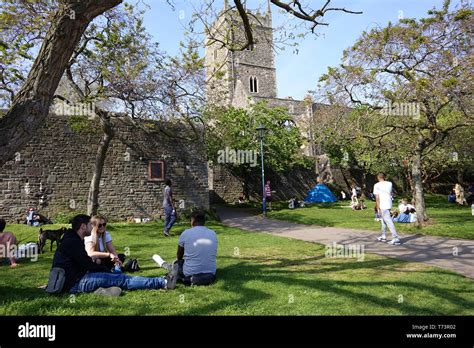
234	278
263	273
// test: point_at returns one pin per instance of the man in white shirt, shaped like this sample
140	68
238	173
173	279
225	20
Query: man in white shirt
383	199
354	195
196	256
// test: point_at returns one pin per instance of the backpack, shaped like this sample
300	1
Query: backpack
57	276
132	266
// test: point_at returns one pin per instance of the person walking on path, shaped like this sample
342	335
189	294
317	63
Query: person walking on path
168	206
268	195
383	201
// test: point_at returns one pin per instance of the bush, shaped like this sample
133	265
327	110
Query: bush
64	217
211	214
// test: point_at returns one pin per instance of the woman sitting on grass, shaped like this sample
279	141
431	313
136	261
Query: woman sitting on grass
406	212
99	244
459	191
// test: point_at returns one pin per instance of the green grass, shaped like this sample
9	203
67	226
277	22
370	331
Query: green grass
258	274
446	219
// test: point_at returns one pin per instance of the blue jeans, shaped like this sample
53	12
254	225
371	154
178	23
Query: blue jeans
402	218
195	279
170	218
93	281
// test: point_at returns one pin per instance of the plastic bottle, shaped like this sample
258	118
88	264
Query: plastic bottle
117	268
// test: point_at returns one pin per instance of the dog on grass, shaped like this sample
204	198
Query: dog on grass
52	235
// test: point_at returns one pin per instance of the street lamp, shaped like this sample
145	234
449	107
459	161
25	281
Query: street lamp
261	132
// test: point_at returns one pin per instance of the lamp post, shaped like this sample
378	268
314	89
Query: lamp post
261	132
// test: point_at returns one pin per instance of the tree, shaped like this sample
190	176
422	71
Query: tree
232	139
413	84
119	68
31	103
115	64
116	68
303	19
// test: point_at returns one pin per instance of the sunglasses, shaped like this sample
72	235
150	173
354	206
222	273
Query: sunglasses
102	225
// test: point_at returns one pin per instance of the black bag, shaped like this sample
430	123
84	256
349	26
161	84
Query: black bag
132	266
57	276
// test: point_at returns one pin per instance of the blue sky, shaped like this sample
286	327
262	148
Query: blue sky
296	73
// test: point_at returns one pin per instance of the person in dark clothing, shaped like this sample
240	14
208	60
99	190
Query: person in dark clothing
470	194
84	275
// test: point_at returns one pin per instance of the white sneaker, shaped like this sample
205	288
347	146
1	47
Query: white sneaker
157	258
172	276
394	241
381	239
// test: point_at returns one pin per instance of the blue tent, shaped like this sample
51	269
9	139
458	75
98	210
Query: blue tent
320	193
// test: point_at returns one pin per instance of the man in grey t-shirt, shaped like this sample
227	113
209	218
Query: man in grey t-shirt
168	206
196	256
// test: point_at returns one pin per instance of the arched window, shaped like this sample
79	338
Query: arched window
253	84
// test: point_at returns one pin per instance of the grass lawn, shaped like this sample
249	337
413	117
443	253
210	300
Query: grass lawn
446	219
258	274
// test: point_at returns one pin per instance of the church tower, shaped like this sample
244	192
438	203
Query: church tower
232	75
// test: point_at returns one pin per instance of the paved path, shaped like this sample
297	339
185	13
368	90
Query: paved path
437	251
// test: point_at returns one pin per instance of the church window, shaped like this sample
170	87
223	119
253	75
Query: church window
253	84
156	171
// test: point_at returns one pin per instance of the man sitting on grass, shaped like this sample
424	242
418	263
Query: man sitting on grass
196	256
84	275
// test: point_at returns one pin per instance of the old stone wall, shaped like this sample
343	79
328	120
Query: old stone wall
227	184
56	167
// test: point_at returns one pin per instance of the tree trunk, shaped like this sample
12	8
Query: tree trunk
418	187
403	182
459	176
93	197
31	105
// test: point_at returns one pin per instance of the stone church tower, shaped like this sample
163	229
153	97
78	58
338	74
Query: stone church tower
235	75
243	77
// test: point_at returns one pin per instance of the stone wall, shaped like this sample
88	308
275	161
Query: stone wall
57	165
227	184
